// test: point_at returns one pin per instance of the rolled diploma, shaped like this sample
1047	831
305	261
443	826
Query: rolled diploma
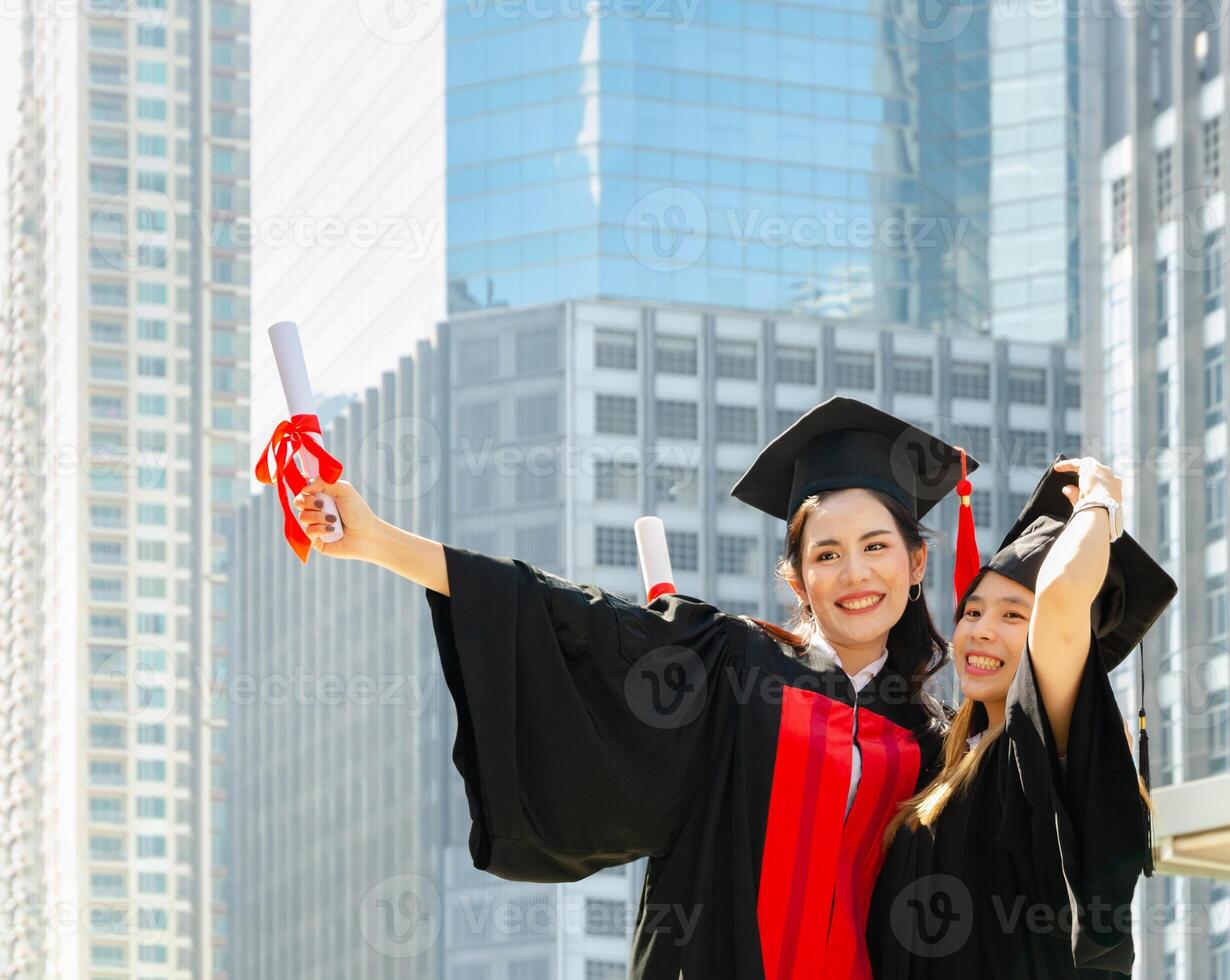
288	353
655	559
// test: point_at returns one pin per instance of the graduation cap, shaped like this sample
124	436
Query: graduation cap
843	443
1135	593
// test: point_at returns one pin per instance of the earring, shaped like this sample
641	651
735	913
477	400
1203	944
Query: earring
913	597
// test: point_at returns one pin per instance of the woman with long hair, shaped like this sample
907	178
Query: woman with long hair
755	766
1020	859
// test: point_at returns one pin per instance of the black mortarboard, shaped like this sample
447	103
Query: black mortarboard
1135	593
843	443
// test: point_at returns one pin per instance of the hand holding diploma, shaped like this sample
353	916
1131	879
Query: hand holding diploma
299	436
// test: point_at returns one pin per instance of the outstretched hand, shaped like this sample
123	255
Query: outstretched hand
359	523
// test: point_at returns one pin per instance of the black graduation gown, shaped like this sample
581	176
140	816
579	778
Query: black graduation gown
593	731
991	890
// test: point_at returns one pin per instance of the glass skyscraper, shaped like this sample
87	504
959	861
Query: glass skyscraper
775	156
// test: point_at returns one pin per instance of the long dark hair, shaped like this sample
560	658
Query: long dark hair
915	647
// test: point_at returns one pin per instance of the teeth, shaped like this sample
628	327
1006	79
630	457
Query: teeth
984	663
870	600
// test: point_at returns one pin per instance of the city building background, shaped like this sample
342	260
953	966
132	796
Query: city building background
633	243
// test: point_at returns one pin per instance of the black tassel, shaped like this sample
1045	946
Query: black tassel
1143	763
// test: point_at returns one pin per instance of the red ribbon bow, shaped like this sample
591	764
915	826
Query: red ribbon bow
287	439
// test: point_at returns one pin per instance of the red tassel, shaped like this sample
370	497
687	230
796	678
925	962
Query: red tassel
968	561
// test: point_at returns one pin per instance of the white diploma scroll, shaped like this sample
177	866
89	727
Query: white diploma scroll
655	559
288	353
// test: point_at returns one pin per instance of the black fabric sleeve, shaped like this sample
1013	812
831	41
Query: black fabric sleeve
583	718
1078	837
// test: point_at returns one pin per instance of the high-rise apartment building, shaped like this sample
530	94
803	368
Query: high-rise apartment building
126	383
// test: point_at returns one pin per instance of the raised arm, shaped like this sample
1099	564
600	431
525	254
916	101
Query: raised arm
368	538
1069	580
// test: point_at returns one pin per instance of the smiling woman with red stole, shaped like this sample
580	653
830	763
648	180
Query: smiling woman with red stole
756	767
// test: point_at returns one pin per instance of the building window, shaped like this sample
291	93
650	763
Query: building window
1215	498
615	349
615	480
978	438
1027	385
537	416
675	485
1163	408
1219	732
109	293
477	422
1071	389
684	549
677	419
106	809
476	359
605	970
606	918
724	482
615	547
971	380
1211	153
537	351
1213	274
912	375
615	415
737	423
735	359
1119	214
736	554
675	354
1163	521
539	546
1028	446
1215	608
108	180
1214	385
796	365
536	488
1165	178
528	970
1162	298
855	369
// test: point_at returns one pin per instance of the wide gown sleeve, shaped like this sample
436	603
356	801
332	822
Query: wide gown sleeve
583	719
1077	837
